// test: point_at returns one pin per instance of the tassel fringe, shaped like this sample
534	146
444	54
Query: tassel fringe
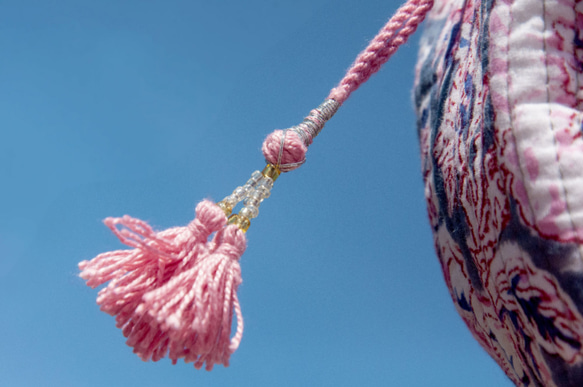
173	294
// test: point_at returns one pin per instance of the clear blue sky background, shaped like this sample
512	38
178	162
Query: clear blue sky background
146	107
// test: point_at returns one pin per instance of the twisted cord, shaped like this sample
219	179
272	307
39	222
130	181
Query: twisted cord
395	33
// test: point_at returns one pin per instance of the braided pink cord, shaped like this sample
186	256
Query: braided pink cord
395	33
287	149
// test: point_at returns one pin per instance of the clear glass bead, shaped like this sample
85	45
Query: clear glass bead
255	177
239	193
263	192
266	182
252	201
249	212
256	195
231	201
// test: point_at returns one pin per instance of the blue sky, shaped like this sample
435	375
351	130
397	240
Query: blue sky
146	107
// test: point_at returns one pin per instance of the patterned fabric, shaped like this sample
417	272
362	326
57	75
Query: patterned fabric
498	96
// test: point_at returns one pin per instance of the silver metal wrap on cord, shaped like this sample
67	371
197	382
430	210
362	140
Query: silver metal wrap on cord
312	125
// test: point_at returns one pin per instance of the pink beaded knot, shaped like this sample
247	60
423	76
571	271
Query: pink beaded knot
287	149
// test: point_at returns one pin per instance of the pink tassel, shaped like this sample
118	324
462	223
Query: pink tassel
155	259
196	306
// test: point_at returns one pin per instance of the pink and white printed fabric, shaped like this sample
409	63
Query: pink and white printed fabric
499	96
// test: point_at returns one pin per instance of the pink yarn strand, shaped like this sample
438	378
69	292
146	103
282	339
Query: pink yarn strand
395	33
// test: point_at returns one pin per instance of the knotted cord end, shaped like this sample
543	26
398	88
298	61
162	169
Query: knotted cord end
287	148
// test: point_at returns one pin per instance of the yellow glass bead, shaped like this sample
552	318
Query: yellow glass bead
271	171
227	209
240	221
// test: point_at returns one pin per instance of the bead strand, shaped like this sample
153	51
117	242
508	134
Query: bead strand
257	189
240	193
